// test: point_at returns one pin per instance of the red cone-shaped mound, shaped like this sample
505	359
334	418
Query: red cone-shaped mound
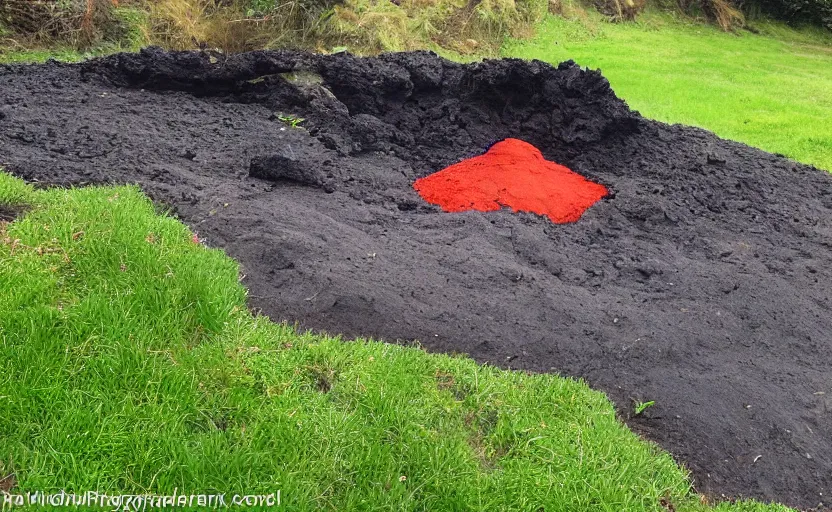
512	173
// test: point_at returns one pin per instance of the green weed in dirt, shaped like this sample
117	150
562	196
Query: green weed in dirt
130	363
639	407
772	91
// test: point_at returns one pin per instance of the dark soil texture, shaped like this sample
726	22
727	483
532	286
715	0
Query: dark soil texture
9	212
703	282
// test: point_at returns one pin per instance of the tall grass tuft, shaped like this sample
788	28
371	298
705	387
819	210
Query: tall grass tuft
621	10
722	12
725	14
236	25
78	23
472	26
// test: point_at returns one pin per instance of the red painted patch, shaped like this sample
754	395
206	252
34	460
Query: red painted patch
511	174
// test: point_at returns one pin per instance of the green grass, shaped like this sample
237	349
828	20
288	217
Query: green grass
39	56
16	55
130	364
772	91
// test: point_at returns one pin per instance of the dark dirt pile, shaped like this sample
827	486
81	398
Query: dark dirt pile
702	282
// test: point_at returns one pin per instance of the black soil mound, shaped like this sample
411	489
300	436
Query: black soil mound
702	283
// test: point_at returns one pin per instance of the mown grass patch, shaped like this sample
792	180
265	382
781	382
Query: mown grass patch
130	364
772	90
21	56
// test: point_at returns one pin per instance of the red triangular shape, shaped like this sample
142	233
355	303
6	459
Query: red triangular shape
511	174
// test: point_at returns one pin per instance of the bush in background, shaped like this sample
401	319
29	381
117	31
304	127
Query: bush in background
78	23
621	10
724	13
367	26
364	26
237	25
464	26
815	12
731	14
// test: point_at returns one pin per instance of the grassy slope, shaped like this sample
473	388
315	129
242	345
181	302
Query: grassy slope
40	56
129	363
60	53
770	91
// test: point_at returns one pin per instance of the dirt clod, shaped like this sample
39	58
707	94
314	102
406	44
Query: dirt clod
8	483
291	165
9	212
702	248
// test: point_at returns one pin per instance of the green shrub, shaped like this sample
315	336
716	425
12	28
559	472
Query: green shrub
816	12
264	7
236	25
80	23
727	14
621	10
132	27
464	26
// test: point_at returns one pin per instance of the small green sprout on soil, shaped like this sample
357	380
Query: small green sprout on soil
640	407
290	119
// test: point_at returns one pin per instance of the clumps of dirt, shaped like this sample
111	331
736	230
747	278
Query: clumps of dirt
353	112
8	480
512	174
701	282
9	212
8	483
293	165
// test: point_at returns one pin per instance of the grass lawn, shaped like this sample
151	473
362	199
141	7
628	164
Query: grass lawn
41	55
772	91
130	364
